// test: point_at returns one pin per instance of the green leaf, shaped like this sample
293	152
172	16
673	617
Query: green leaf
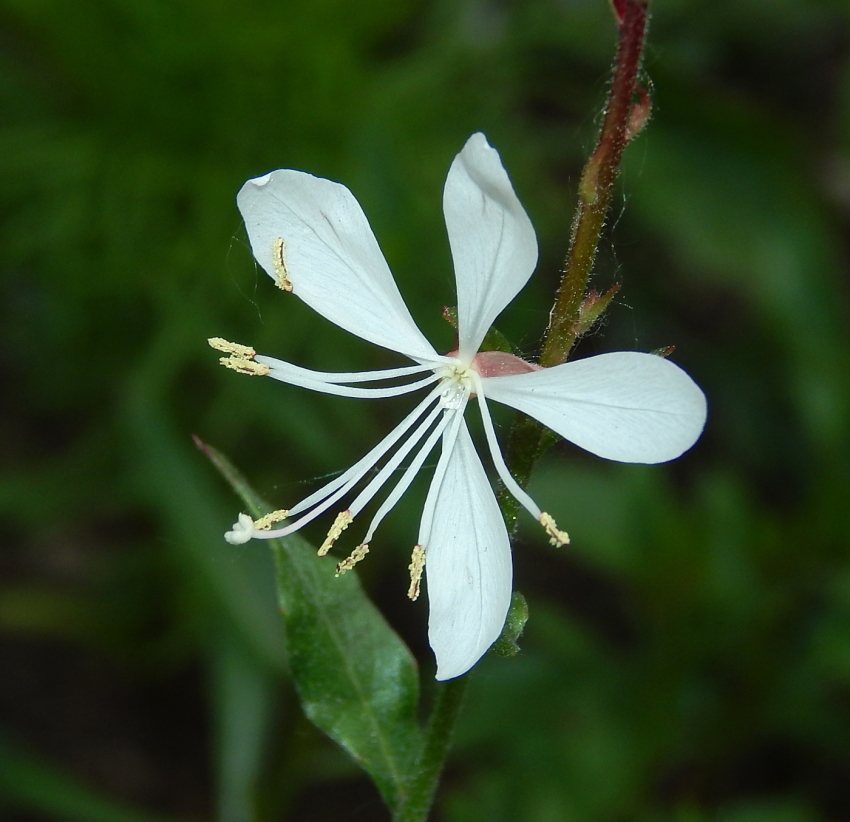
357	680
508	643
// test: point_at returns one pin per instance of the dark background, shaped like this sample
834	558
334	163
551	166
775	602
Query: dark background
687	657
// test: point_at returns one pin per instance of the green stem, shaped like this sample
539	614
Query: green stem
438	736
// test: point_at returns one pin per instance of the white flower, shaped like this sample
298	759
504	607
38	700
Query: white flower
311	236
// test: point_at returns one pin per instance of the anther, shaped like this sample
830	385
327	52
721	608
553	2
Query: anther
417	564
356	555
243	530
241	357
283	281
342	521
253	369
266	522
227	347
556	536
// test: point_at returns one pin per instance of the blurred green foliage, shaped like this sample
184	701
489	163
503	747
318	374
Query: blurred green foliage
686	659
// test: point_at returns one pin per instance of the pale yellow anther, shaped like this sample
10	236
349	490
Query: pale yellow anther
241	357
342	521
417	565
279	259
356	555
253	369
556	536
235	349
265	523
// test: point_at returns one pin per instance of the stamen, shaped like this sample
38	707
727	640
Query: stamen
284	369
496	453
409	475
243	530
356	555
417	564
283	281
392	464
342	521
241	357
362	467
557	538
325	497
330	383
266	522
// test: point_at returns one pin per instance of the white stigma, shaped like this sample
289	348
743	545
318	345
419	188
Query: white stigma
243	530
455	384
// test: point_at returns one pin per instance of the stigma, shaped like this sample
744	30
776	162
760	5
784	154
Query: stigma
455	384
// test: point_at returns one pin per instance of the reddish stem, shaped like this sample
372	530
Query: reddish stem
528	439
597	183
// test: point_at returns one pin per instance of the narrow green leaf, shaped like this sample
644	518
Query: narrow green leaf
244	699
592	308
508	643
357	680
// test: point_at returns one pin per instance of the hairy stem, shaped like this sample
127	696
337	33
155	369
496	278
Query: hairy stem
435	747
597	185
571	312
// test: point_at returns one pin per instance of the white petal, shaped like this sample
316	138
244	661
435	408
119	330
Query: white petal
492	240
623	406
331	256
467	564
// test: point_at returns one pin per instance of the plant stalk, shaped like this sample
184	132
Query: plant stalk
622	119
597	185
435	747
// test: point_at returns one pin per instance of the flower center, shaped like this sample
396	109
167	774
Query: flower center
455	384
456	379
